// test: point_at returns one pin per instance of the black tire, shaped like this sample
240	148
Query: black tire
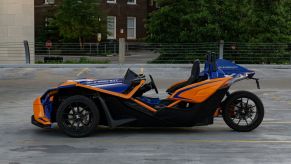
78	116
236	109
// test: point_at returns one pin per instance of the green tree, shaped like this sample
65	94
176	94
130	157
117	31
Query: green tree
181	21
213	20
270	21
79	20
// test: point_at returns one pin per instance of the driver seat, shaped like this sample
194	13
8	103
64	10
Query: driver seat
192	79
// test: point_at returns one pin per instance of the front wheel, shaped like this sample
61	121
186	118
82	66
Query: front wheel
78	116
243	111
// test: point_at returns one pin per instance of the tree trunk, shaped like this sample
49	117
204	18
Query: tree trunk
81	42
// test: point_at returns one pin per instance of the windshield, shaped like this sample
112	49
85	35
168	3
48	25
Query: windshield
129	76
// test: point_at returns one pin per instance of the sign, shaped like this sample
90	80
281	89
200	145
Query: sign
99	37
49	44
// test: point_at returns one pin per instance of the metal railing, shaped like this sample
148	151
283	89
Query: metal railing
258	53
140	52
173	52
14	53
244	53
75	49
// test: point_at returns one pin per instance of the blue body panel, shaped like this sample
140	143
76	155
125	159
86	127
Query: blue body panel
149	100
48	106
114	85
230	68
209	71
224	67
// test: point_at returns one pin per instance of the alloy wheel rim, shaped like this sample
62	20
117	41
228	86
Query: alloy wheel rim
77	116
244	112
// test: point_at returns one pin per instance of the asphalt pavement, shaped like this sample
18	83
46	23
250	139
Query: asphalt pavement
23	143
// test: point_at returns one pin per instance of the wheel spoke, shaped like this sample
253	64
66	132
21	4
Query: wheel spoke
252	106
81	111
78	125
73	122
246	121
69	119
70	114
238	107
238	121
71	107
77	116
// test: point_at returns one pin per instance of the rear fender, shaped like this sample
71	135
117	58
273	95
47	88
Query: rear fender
201	91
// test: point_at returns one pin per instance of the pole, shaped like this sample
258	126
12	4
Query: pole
221	46
121	55
49	50
90	48
27	52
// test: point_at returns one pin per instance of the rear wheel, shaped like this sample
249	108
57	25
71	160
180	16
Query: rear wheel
78	116
243	111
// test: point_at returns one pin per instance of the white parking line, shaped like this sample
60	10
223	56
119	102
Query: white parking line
237	141
83	71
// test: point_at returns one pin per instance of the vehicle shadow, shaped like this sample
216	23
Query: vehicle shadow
128	131
154	131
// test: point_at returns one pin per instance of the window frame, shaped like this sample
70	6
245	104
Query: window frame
47	21
134	27
49	2
111	1
131	3
151	2
114	28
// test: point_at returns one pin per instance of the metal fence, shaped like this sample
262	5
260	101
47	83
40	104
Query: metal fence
251	53
14	53
258	53
75	49
244	53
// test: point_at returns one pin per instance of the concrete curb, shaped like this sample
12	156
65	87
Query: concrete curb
251	66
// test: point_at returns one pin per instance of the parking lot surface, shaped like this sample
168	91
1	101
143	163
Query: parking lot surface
22	143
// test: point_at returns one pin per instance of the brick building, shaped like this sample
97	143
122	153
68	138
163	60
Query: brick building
125	18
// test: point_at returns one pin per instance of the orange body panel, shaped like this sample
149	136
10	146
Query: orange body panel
199	92
174	103
144	105
69	82
38	111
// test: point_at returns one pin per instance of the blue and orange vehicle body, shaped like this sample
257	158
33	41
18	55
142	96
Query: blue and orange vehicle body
121	102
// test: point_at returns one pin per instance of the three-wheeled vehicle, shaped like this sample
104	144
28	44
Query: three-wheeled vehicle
79	106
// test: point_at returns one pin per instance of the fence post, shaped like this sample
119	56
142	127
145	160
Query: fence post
105	48
90	48
114	51
221	46
121	54
27	52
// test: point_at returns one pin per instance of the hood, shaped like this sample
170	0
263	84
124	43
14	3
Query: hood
114	85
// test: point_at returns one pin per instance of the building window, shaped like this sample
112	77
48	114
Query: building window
131	28
131	2
49	2
48	21
111	1
151	2
157	5
111	27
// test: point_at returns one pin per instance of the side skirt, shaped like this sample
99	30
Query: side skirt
112	122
